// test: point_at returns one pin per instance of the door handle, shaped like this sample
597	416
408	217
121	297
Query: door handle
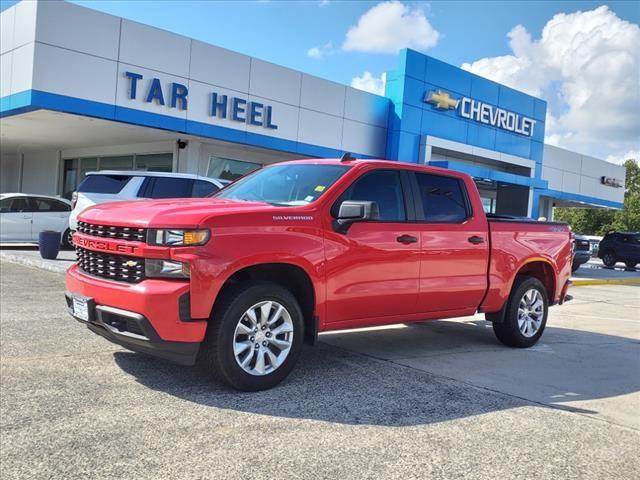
407	239
475	240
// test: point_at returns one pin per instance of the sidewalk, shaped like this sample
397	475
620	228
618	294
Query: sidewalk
30	256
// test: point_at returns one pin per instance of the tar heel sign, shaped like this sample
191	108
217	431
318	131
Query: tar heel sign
481	112
219	106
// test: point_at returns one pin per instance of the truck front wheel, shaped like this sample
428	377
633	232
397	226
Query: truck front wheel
254	336
525	316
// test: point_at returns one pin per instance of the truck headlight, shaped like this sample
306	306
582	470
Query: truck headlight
171	237
165	269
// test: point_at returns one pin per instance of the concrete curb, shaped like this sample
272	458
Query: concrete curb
604	281
49	265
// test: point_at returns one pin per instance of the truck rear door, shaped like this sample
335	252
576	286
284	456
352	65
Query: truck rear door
454	242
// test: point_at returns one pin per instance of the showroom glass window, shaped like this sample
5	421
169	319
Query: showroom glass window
227	169
75	169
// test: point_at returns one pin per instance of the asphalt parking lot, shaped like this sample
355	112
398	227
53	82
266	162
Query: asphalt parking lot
431	400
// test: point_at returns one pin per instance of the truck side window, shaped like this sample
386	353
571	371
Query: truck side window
384	188
443	198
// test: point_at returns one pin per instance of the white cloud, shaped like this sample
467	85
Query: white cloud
320	51
324	3
369	83
389	27
587	66
620	159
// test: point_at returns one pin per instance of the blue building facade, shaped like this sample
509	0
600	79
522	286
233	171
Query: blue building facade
430	98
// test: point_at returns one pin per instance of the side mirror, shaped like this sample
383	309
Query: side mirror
352	211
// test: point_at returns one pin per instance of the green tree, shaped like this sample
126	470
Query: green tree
598	221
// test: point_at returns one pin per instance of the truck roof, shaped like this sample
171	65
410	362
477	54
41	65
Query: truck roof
378	162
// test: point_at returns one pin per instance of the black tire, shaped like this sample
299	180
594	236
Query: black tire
609	258
508	331
66	240
575	267
216	352
631	264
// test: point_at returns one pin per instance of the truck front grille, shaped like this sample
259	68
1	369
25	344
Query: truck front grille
582	245
113	267
109	231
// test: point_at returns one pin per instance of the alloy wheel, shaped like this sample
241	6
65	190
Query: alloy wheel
263	338
530	313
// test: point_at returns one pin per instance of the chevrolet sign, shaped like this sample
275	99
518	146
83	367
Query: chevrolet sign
482	112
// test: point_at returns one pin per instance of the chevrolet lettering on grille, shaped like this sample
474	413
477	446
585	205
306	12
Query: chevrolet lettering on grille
103	245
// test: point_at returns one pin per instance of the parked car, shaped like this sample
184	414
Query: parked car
581	252
23	216
620	247
112	186
240	280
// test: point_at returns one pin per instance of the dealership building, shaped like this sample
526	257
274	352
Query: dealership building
82	90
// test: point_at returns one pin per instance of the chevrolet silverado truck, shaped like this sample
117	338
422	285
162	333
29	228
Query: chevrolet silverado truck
239	281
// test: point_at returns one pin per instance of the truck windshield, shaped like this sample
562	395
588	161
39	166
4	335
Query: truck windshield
285	185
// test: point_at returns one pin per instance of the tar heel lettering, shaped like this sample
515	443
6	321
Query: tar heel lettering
221	107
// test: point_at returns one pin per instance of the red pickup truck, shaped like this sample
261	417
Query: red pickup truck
241	280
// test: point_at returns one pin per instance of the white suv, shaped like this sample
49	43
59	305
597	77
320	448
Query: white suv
113	186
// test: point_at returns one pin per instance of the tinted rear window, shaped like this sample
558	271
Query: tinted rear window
202	188
103	183
166	187
442	198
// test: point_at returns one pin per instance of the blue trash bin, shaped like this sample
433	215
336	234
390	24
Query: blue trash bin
49	244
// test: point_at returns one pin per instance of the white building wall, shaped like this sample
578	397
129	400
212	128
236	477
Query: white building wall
9	173
40	173
65	49
572	172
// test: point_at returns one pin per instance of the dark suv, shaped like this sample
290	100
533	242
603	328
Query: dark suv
620	247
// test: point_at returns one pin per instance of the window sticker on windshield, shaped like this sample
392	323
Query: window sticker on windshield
308	198
320	188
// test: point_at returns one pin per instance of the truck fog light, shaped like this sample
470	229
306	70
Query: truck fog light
166	269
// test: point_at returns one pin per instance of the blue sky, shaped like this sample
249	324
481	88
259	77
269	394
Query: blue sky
586	65
283	31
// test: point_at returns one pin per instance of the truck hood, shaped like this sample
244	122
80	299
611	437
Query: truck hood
181	212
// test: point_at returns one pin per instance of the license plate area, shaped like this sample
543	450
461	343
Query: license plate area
83	308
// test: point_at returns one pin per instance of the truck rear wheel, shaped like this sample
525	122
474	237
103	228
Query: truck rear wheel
525	316
254	336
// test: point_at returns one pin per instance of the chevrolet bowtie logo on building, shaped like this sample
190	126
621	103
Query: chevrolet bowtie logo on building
441	100
478	111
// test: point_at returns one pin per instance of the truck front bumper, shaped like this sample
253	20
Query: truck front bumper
143	317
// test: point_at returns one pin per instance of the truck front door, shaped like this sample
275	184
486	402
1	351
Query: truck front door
372	270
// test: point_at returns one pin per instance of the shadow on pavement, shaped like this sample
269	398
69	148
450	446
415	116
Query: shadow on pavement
334	385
